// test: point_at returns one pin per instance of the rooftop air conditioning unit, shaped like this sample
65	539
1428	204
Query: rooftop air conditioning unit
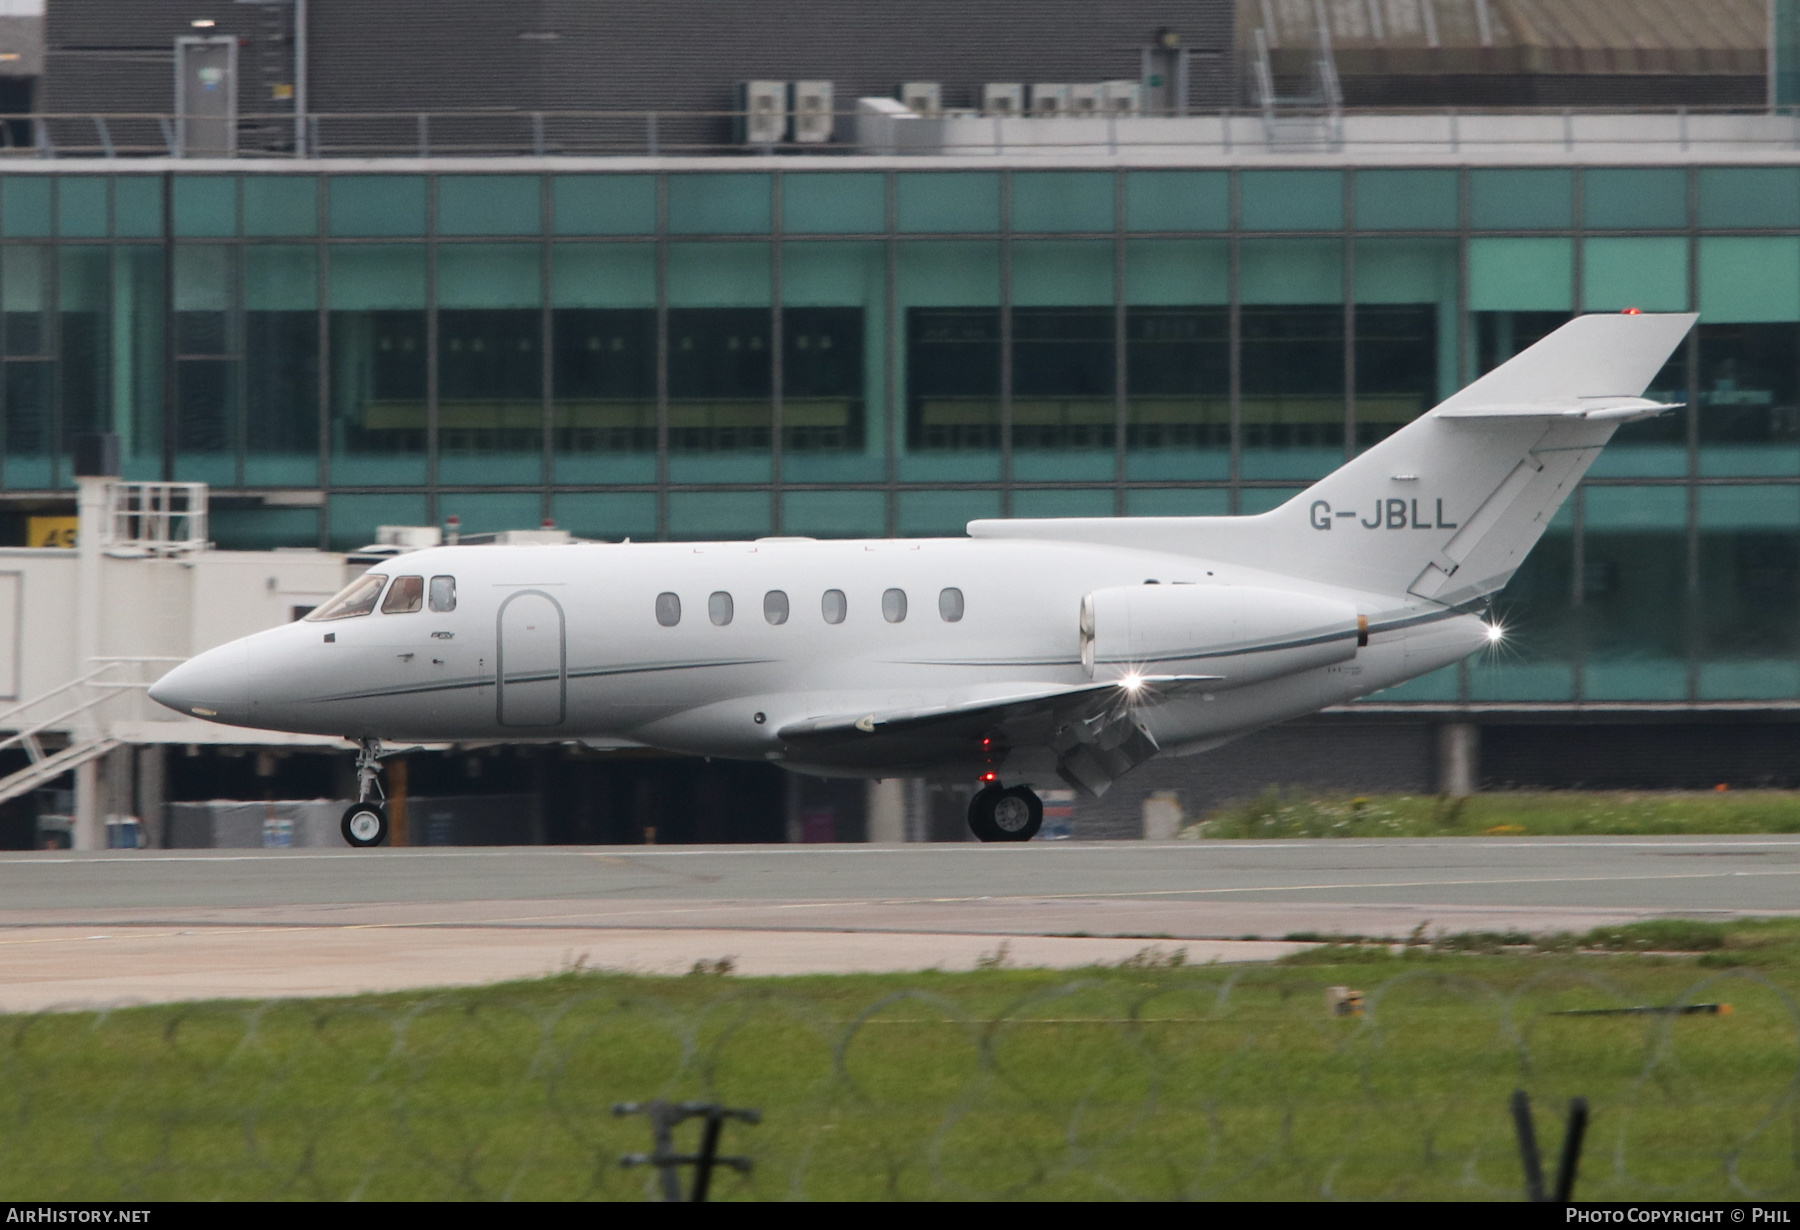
762	112
1049	98
922	97
1123	97
813	119
1003	98
1085	98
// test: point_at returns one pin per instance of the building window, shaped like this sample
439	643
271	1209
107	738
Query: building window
953	378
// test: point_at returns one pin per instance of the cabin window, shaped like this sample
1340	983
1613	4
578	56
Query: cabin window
356	598
443	594
775	607
834	605
404	596
718	608
668	610
893	605
950	604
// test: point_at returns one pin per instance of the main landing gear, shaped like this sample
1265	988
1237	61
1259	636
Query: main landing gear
366	823
1005	813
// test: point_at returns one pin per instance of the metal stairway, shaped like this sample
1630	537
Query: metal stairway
72	708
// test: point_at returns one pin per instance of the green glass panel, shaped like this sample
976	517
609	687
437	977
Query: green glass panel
834	514
944	514
604	204
1066	502
378	277
1744	198
1254	500
490	275
354	518
281	349
281	205
1749	278
719	275
834	203
718	515
1750	574
835	374
134	354
1292	200
1635	508
1406	334
721	373
486	512
203	284
1508	275
948	380
1759	507
490	205
608	515
1177	201
1062	200
604	386
378	377
1634	198
1536	661
84	292
731	204
263	529
1406	200
603	275
944	202
1054	272
377	205
1178	502
279	278
1439	685
1647	273
1177	272
490	365
1292	271
137	206
1522	200
81	206
205	206
1749	404
25	206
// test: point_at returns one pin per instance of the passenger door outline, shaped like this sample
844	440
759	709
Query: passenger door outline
529	706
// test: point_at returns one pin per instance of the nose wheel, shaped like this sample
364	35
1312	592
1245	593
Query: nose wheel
366	823
1011	813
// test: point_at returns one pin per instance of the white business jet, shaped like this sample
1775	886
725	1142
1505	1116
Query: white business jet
1026	654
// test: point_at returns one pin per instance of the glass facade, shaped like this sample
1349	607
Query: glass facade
689	353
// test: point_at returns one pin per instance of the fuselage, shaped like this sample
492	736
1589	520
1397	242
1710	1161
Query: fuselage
584	641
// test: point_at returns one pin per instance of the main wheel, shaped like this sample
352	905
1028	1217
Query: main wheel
365	824
1014	814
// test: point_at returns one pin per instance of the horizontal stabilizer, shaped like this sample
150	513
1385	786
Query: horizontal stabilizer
1593	409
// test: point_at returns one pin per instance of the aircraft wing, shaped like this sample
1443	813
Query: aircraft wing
1094	728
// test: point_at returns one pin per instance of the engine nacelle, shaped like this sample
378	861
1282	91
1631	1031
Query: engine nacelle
1242	633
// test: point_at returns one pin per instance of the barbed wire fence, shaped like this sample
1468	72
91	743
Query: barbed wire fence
1150	1081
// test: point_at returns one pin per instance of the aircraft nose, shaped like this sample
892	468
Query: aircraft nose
216	684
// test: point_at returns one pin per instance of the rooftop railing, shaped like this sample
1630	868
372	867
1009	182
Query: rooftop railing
878	126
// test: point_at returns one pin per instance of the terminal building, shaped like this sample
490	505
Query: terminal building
696	272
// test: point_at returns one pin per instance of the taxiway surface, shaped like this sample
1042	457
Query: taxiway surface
151	925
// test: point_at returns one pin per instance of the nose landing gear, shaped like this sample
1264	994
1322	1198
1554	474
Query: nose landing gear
366	823
1005	814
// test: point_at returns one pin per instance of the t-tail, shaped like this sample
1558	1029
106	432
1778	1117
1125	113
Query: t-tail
1446	508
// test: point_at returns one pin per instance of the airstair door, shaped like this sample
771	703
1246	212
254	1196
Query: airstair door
531	670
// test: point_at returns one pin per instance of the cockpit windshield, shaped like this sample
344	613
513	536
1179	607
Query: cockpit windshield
356	598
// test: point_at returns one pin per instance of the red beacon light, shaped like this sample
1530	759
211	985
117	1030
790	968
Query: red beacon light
1632	312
